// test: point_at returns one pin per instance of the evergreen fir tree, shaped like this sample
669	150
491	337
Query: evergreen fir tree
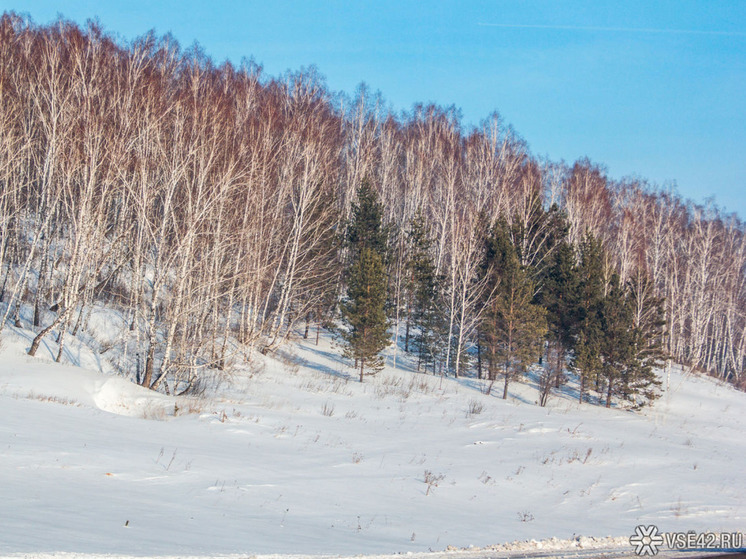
366	228
515	327
632	338
560	293
364	307
364	311
586	343
560	296
423	293
617	343
647	342
497	247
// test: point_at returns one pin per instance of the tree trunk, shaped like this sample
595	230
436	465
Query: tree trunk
148	376
5	283
479	358
40	336
17	315
40	290
61	342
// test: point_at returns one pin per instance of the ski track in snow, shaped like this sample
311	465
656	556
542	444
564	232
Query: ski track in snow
293	457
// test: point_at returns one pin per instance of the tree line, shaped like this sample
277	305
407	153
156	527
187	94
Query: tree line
218	209
572	309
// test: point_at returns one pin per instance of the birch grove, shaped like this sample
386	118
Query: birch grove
206	204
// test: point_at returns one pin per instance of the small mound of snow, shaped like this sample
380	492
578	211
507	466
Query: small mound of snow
40	378
116	395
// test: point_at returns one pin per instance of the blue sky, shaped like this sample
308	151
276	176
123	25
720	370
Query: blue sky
655	89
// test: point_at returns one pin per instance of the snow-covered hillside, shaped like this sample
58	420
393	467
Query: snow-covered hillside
294	456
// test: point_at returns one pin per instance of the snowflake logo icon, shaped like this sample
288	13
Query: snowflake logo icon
646	540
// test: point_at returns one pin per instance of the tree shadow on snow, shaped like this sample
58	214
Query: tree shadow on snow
320	367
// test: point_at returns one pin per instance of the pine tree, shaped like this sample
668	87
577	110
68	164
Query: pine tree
364	311
617	343
560	296
632	340
364	307
366	228
586	343
649	326
496	246
514	326
423	293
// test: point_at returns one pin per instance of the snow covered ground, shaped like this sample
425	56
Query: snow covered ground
293	456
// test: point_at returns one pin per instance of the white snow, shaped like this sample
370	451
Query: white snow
293	456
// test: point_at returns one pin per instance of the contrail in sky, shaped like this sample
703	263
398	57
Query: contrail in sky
616	29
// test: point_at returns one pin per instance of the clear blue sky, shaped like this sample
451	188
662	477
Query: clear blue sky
655	89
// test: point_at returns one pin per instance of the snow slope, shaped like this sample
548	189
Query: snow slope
293	456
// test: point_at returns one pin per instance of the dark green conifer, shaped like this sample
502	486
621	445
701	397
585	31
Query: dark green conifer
589	333
364	311
364	307
648	318
366	228
423	293
560	296
514	327
617	343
